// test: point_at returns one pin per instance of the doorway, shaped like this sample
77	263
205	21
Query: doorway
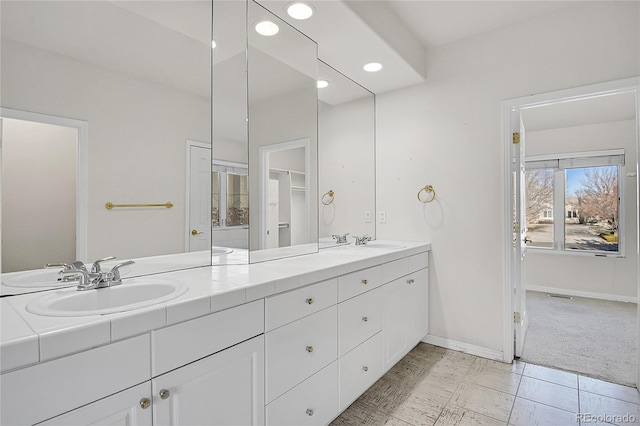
556	260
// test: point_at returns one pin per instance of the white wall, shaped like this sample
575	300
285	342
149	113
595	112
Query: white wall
610	277
346	155
137	135
447	133
38	194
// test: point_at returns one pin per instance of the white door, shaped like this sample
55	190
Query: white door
519	236
199	195
223	389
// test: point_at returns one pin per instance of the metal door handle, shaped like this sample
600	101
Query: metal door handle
195	232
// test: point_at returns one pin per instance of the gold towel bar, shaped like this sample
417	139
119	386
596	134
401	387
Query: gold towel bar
430	189
110	205
327	198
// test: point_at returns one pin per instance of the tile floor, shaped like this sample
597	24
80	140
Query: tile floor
437	386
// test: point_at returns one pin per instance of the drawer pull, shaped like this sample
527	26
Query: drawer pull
145	403
411	281
309	411
309	349
164	394
309	301
365	282
365	319
365	368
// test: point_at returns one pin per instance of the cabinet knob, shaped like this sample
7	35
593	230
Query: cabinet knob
145	403
365	282
164	394
365	319
365	368
309	411
309	349
411	281
309	301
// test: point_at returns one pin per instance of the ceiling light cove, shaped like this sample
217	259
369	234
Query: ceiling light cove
300	11
267	28
372	66
322	84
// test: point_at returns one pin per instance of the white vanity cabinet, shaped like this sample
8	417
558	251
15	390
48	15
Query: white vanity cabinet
405	312
226	388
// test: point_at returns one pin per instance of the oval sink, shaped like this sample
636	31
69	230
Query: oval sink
124	297
35	279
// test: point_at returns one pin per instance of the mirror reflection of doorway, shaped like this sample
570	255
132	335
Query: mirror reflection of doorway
581	267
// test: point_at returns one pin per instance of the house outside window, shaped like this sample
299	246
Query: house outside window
573	202
230	195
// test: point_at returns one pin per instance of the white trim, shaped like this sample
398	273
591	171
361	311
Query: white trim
579	293
567	95
82	167
467	348
187	198
562	156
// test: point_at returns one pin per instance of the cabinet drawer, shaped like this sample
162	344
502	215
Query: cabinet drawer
394	270
183	343
287	307
358	282
418	261
60	385
359	369
312	402
300	349
358	319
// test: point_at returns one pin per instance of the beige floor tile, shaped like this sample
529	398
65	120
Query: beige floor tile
548	393
446	379
483	400
386	395
515	367
456	416
612	390
500	380
362	414
422	407
552	375
531	413
610	410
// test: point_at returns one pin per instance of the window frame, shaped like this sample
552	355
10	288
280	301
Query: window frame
559	163
223	168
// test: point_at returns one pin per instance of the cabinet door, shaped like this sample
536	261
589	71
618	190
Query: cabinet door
226	388
396	319
419	300
130	407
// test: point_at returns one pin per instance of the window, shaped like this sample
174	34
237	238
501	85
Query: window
573	202
230	195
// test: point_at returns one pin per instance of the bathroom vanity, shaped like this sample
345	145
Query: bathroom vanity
292	341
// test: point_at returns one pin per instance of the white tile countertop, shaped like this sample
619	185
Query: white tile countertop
27	338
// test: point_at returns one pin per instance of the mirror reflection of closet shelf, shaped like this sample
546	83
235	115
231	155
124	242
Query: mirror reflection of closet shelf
287	207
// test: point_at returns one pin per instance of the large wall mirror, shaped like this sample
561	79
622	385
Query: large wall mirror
346	154
121	92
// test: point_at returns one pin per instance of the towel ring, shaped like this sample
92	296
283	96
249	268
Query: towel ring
430	189
327	198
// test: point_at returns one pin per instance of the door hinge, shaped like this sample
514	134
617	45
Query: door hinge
516	228
516	137
516	317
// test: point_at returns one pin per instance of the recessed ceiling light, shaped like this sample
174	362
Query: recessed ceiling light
372	67
300	11
322	84
267	28
213	44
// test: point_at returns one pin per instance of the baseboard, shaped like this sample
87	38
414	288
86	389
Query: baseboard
464	347
578	293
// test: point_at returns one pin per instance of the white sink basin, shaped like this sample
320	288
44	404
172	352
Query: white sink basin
138	293
35	279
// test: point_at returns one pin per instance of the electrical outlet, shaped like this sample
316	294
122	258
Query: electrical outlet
383	217
367	217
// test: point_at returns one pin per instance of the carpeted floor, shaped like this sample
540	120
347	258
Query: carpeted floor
596	338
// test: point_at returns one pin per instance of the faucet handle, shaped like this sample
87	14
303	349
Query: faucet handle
95	268
84	279
115	271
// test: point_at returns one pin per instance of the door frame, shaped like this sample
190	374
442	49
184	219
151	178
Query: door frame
187	205
81	167
512	106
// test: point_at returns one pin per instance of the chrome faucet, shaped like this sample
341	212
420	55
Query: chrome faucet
340	239
361	241
96	278
68	267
